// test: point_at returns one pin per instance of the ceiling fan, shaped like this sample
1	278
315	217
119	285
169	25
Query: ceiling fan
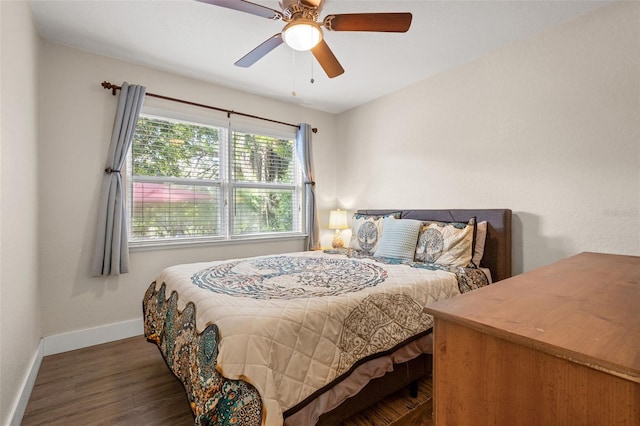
303	32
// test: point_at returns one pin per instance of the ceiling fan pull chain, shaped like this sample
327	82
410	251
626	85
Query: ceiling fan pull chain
293	74
312	79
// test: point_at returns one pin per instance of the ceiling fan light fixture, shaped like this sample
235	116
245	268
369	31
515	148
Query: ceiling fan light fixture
302	34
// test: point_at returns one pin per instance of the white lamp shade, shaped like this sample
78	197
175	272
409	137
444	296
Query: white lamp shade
338	219
302	35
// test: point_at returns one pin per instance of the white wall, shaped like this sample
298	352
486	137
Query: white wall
548	127
77	117
19	303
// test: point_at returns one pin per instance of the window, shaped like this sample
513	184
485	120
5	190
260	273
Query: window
192	180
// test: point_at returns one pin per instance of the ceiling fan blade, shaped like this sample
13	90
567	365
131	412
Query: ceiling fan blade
327	59
248	7
267	46
381	22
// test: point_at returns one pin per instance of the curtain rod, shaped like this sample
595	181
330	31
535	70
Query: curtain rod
114	88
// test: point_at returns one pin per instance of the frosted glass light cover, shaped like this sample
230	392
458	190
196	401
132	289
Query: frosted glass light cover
302	35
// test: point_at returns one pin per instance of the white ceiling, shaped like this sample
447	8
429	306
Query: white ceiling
203	41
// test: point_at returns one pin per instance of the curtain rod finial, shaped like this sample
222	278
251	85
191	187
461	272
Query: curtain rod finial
314	130
113	87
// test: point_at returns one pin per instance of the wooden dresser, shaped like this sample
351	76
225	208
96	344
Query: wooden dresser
559	345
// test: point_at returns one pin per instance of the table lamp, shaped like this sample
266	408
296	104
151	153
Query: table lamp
337	221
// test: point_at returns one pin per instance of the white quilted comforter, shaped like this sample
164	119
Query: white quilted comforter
290	324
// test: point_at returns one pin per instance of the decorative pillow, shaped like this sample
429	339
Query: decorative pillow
399	238
446	243
366	231
481	237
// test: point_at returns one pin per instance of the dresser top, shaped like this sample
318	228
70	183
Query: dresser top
585	308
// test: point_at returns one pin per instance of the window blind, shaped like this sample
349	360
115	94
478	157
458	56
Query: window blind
263	179
176	186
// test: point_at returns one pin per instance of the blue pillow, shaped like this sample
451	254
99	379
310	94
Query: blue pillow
399	238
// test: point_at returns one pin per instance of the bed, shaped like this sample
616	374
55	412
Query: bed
311	337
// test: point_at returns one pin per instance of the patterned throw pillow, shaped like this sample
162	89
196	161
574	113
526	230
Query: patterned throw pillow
399	238
366	231
446	243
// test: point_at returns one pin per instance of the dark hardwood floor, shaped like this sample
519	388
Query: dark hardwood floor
127	383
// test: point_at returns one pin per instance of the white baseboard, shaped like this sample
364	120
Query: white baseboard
92	336
20	404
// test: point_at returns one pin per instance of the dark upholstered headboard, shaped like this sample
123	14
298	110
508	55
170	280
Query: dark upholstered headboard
497	249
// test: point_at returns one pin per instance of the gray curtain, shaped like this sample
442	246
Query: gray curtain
303	147
111	252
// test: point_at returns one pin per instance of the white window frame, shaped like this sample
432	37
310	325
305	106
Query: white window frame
226	183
